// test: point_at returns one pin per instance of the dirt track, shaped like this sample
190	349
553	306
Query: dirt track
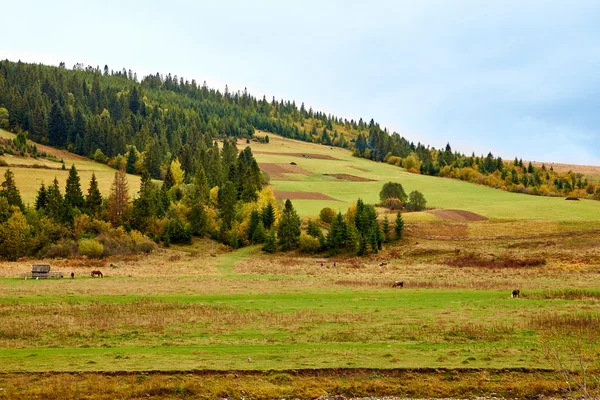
303	196
457	215
350	178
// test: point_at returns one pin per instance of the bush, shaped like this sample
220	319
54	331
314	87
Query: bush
326	215
116	241
91	248
393	204
416	201
141	243
178	232
62	249
309	244
392	190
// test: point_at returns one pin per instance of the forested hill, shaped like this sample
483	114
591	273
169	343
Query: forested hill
109	115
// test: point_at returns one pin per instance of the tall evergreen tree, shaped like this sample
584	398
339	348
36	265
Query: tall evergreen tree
93	200
55	202
73	195
131	160
270	242
9	190
288	231
399	226
227	199
41	200
169	180
57	126
268	215
198	220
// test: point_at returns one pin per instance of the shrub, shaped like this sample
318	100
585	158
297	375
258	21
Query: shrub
141	243
392	190
326	215
393	204
90	248
62	249
309	244
416	201
116	241
178	232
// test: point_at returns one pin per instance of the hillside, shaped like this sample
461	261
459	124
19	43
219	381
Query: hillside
30	173
364	178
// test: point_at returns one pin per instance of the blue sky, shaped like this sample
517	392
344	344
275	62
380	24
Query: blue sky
519	78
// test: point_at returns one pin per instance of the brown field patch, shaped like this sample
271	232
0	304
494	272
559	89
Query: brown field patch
587	170
457	215
303	196
491	261
358	168
301	155
350	178
278	171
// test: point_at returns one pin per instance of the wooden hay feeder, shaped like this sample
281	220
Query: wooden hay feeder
42	271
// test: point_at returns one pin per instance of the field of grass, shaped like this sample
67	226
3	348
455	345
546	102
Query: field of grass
30	173
439	192
182	310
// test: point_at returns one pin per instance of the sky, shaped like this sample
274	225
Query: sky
517	78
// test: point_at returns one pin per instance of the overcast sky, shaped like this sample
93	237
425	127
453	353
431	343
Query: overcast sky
519	78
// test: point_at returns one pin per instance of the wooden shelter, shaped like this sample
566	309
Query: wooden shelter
42	271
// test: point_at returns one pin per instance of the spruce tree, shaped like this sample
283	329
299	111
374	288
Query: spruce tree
198	220
386	228
55	202
227	200
253	224
288	231
131	160
93	200
169	180
260	234
399	226
270	243
268	215
41	200
73	195
57	126
9	190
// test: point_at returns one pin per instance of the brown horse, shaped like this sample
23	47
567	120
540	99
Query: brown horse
516	293
72	275
97	272
399	284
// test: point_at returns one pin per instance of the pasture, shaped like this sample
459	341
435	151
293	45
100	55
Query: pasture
361	178
182	310
30	172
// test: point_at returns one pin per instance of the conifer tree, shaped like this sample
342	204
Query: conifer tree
55	202
227	200
268	215
41	200
57	126
118	198
198	220
254	219
73	195
386	228
288	231
10	192
168	181
93	200
399	226
270	242
131	160
338	233
259	234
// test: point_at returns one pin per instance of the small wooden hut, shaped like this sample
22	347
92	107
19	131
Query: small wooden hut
42	271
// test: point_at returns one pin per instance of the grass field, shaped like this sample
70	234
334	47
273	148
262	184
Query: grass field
30	173
181	310
439	192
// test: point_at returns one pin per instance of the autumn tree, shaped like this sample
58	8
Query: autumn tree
118	198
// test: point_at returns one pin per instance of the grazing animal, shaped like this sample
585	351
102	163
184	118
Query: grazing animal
399	284
457	251
334	265
97	272
382	264
72	275
515	293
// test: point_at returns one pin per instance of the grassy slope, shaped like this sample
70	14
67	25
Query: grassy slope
439	192
29	179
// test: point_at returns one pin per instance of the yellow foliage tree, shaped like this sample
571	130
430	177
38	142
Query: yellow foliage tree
14	236
178	173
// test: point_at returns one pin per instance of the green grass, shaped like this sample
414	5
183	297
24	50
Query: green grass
439	192
28	180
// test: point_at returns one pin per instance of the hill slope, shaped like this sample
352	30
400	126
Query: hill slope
309	176
30	172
